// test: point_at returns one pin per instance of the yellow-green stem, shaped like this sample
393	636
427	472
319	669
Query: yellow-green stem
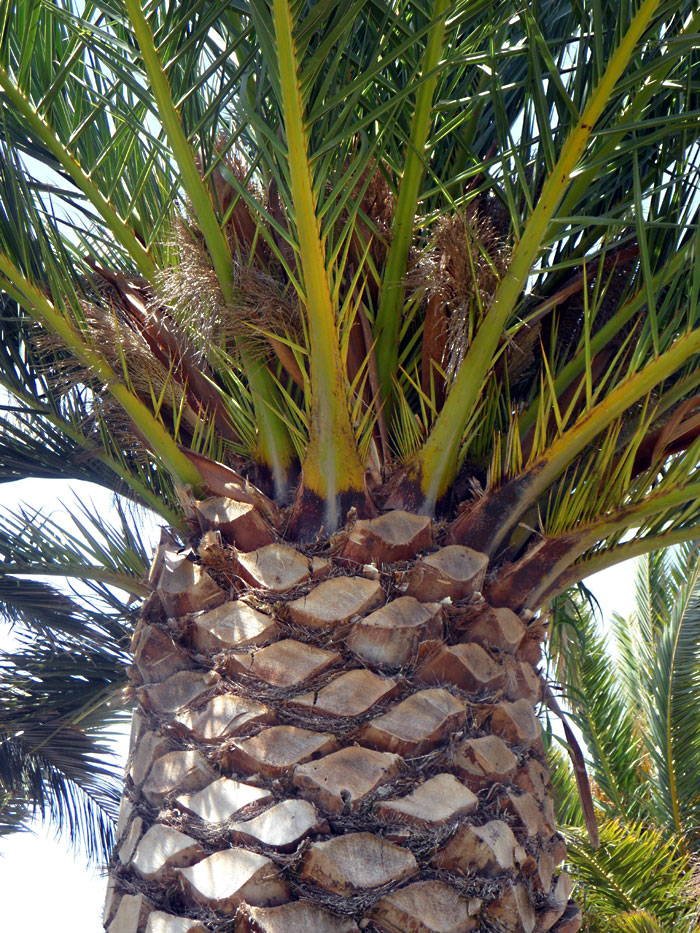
388	320
43	132
332	465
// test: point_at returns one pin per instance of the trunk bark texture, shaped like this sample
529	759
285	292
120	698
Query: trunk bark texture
334	740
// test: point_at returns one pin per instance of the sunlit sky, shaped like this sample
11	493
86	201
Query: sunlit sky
44	885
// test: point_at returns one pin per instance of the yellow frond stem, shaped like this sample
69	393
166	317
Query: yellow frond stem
332	465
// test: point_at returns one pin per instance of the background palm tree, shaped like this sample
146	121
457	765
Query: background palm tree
275	269
635	700
63	677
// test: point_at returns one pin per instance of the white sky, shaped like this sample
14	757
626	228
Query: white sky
45	886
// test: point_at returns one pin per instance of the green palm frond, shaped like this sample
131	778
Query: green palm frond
75	685
111	554
672	713
64	779
635	638
15	814
39	607
64	683
53	425
635	876
659	666
60	689
638	922
608	724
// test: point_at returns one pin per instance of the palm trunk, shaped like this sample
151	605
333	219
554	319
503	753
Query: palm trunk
344	740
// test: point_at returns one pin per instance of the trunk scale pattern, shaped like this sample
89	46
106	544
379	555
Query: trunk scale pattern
334	739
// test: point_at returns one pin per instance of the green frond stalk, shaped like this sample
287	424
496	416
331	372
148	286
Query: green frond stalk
388	318
549	562
182	152
274	448
120	580
620	553
332	471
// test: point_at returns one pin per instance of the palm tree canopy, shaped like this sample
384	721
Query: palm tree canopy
416	251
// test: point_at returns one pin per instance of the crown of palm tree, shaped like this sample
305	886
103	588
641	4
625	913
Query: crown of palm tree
377	255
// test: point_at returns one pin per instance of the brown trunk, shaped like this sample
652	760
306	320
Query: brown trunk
334	742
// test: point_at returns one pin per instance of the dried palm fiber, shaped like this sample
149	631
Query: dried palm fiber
264	305
460	274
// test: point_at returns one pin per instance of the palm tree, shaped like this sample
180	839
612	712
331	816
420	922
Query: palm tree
638	711
389	310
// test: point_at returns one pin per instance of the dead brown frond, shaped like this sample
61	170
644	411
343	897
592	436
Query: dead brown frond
189	288
107	411
377	205
262	304
264	308
558	320
123	340
62	371
228	179
461	274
